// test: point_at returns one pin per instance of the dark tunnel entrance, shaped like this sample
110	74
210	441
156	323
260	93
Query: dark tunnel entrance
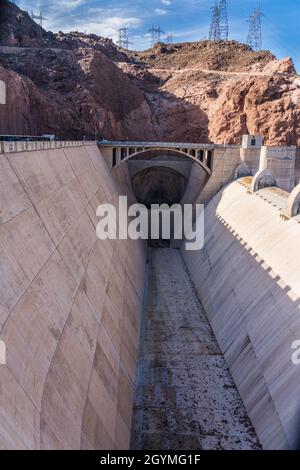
159	185
166	177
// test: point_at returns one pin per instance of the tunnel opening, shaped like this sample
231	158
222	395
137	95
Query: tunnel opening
166	177
159	185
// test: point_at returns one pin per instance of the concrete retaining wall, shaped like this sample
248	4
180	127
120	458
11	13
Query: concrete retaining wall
23	146
281	162
225	161
69	304
248	279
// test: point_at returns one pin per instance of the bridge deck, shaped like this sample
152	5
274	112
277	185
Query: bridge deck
175	145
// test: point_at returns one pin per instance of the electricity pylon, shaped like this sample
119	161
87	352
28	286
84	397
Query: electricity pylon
254	39
123	40
219	24
224	28
39	17
156	33
170	38
214	32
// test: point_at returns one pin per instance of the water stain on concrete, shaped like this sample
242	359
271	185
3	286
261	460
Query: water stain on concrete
185	397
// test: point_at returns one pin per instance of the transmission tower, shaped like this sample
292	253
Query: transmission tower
254	39
39	17
170	38
123	40
156	33
219	23
223	20
214	32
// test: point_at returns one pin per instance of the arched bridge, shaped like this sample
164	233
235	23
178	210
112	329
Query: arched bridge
123	151
161	171
186	172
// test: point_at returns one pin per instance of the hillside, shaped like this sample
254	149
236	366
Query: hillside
230	56
85	85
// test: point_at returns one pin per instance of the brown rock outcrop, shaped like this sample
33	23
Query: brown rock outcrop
245	92
259	105
91	93
29	110
197	92
226	56
18	29
284	67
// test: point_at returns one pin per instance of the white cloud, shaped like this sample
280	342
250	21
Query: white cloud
166	2
101	21
55	5
71	4
109	26
105	27
84	16
160	11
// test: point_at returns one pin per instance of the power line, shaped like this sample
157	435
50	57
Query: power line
39	17
156	33
254	39
123	40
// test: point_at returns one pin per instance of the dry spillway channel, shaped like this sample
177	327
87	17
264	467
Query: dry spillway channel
185	396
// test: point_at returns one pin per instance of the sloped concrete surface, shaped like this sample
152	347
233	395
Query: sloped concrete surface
248	278
185	397
69	304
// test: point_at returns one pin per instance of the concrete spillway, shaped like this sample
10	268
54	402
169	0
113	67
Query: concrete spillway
185	396
70	310
248	279
69	304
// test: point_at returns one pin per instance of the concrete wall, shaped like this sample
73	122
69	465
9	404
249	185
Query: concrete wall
297	166
198	178
248	279
225	161
183	167
69	304
251	158
281	162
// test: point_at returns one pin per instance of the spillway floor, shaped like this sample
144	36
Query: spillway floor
185	396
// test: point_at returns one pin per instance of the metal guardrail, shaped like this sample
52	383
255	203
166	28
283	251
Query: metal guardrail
159	145
29	146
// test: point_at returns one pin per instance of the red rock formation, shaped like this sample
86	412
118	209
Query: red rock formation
247	92
29	110
268	106
18	29
75	84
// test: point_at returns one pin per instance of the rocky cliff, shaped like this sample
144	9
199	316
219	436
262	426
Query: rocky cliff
18	29
76	84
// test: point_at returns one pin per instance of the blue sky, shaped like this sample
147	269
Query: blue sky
188	20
